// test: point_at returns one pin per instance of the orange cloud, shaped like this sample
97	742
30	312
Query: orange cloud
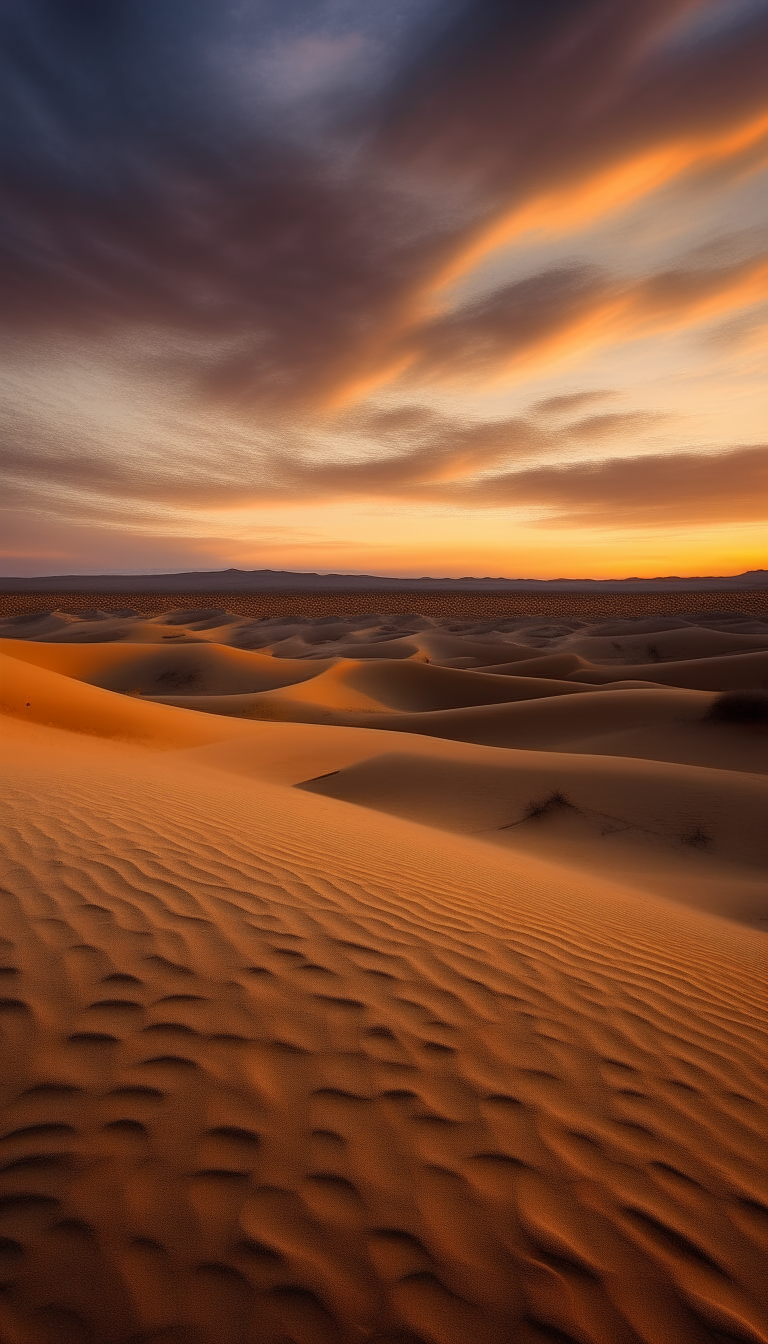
562	314
363	384
405	345
642	312
660	490
578	204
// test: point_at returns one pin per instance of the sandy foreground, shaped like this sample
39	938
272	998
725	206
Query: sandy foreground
384	979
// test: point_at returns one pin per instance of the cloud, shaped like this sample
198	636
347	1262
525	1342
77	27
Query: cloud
405	455
594	427
476	339
382	454
570	309
572	208
649	491
308	64
664	489
570	401
144	187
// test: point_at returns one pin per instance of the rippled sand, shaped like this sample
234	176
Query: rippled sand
377	980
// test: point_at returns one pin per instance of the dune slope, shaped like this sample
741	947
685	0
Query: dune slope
407	989
139	669
278	1073
713	809
728	672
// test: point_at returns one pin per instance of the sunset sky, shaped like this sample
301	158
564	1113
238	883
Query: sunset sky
439	287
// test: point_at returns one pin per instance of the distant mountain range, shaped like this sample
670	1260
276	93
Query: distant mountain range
281	580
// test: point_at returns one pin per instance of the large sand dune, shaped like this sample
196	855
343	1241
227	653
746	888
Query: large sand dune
355	992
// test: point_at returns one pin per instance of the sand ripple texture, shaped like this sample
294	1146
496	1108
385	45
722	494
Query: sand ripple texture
281	1070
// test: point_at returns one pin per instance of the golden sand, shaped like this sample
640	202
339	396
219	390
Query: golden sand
383	982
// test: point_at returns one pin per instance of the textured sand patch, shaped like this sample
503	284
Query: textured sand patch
428	1060
274	1071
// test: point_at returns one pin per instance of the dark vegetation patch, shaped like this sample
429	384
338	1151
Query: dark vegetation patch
176	679
739	707
555	802
697	839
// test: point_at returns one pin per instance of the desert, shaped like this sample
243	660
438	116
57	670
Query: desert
383	672
391	977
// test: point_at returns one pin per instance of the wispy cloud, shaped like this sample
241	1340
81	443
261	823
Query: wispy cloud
676	488
558	313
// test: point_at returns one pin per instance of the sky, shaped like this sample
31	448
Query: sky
447	287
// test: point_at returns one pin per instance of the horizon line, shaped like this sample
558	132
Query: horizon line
356	574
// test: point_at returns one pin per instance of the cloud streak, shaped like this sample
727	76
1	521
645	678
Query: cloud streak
555	313
640	492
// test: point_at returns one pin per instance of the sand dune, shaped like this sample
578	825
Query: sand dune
203	669
549	665
37	695
654	644
711	809
440	640
444	646
618	817
625	723
731	672
417	687
369	1029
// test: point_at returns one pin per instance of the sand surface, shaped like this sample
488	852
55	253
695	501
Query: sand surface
384	979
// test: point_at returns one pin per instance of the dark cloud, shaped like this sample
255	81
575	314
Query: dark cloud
663	489
142	188
652	490
149	179
478	337
677	289
520	93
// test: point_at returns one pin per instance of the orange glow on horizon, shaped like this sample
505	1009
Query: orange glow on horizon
542	554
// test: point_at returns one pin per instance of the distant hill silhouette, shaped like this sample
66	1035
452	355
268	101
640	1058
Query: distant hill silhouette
280	580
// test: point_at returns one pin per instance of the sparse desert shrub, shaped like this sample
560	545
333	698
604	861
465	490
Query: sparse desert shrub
739	707
697	838
177	679
652	650
553	803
